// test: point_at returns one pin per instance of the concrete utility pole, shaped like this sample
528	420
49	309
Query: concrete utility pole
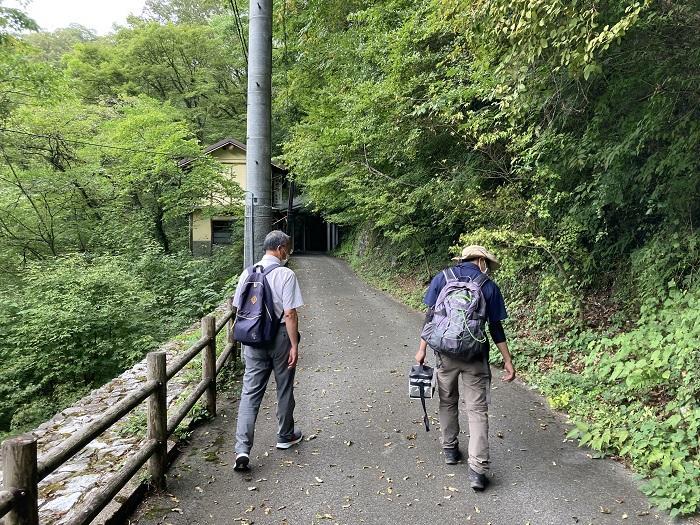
258	216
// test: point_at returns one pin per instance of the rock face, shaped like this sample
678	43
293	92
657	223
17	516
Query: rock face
73	483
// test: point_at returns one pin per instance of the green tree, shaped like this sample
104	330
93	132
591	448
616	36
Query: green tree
12	21
94	199
146	173
182	11
55	44
191	66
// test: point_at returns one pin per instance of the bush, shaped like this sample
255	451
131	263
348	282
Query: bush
642	399
73	323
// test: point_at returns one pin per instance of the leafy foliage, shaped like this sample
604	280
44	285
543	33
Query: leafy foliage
13	20
564	136
94	200
636	396
74	322
194	67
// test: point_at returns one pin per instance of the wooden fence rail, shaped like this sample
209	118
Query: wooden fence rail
22	471
7	499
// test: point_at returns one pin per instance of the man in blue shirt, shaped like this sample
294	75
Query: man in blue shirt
475	375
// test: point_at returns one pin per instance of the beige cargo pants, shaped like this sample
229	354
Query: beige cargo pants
476	382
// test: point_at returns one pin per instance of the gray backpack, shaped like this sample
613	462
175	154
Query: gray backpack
459	322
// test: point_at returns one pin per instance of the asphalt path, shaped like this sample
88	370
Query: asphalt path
367	458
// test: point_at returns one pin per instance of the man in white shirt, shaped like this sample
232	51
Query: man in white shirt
280	356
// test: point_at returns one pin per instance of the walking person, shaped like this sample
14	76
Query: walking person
274	290
466	283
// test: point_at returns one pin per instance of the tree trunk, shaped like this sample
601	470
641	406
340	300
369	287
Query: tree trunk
160	229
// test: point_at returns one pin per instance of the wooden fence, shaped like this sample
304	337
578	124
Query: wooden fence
22	470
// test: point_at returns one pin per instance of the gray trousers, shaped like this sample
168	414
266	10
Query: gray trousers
475	383
259	364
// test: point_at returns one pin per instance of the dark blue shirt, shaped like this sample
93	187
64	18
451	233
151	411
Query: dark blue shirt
495	306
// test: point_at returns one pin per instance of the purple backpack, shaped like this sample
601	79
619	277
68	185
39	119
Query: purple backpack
256	323
459	322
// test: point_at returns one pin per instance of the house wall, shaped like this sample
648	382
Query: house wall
201	233
233	165
232	160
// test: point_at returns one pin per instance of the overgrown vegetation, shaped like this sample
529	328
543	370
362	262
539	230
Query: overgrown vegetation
95	269
564	136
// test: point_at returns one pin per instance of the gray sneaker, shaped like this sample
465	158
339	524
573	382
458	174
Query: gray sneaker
295	438
452	455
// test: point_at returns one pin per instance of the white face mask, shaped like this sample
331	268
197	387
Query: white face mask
485	269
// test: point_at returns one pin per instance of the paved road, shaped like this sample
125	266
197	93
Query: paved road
367	458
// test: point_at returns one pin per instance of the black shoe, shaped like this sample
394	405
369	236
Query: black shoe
477	481
452	455
242	461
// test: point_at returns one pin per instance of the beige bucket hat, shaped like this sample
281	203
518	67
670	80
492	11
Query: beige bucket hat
474	252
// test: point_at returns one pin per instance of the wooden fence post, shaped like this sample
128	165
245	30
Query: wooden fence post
209	363
158	418
229	332
20	476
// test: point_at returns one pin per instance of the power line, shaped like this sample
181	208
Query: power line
86	143
239	28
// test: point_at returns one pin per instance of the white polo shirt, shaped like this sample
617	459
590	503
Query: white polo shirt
286	294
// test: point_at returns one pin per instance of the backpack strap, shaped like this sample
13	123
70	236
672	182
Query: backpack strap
256	268
481	279
265	273
449	274
270	268
259	268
